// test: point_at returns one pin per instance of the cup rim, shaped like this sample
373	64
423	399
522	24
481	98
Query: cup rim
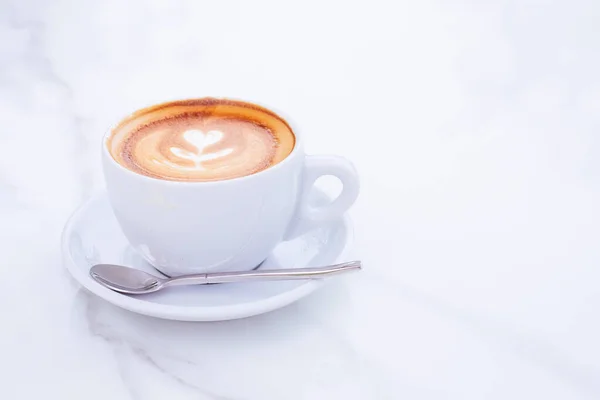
298	145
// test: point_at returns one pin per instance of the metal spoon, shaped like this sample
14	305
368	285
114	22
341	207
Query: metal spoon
133	281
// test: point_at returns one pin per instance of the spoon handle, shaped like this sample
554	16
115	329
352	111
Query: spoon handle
266	275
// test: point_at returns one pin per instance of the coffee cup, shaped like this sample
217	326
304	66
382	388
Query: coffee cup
205	185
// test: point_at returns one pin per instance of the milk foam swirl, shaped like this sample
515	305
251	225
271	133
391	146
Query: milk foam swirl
200	142
206	149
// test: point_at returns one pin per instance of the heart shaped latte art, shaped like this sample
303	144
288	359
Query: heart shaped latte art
201	141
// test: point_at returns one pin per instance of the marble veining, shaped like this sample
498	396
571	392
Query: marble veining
478	221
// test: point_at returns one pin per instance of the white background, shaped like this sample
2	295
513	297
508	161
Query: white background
475	129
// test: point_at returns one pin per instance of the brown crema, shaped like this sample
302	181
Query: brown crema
199	140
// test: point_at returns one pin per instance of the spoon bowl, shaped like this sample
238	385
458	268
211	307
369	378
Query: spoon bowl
126	280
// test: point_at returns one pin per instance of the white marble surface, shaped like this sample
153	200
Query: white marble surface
475	128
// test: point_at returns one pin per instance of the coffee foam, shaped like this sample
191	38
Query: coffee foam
201	140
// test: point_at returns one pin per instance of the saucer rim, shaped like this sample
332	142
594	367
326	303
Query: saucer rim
182	312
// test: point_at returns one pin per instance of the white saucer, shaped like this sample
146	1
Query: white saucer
92	236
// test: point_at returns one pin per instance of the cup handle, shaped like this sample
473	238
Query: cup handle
308	217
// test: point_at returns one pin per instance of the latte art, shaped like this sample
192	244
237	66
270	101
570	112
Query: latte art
201	140
202	149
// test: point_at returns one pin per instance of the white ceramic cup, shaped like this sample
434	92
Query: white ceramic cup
194	227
